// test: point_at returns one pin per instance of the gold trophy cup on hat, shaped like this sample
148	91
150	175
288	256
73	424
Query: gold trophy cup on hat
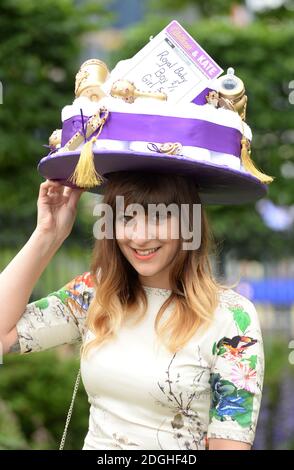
92	74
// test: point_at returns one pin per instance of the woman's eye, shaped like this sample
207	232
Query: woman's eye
125	218
153	218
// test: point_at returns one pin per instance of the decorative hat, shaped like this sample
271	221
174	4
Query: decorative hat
122	128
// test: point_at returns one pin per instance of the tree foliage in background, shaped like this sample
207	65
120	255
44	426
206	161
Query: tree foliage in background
205	9
261	54
40	53
218	8
39	56
36	391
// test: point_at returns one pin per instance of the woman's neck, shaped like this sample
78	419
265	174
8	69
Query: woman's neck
154	281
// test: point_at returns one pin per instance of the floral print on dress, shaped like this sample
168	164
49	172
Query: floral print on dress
58	318
185	422
237	376
230	402
120	440
211	389
245	376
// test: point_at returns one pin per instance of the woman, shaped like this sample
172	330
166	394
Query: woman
170	358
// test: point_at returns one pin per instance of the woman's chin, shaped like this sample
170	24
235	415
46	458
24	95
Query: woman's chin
146	270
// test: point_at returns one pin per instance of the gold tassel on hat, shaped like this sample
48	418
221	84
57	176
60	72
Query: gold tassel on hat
249	165
85	174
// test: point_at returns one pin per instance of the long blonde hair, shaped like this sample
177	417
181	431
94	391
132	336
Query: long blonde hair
118	291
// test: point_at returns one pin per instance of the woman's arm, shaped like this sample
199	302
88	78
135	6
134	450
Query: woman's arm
56	213
236	376
226	444
17	282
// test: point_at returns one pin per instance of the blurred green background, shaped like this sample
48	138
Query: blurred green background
42	45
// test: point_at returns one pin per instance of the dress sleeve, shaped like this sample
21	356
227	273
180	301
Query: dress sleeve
56	319
237	373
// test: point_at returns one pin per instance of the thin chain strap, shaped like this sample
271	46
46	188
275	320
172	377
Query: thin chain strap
70	410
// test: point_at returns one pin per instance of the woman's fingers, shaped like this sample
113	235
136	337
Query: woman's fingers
49	186
67	190
74	197
50	192
55	191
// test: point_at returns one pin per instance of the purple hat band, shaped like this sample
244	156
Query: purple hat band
122	145
154	128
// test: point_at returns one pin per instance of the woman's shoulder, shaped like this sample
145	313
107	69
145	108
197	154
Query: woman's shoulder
82	281
231	298
81	289
237	308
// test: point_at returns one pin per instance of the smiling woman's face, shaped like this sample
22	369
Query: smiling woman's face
150	245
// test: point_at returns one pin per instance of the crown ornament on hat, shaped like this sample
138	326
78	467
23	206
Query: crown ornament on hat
124	122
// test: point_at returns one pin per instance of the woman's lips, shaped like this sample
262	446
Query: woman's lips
144	257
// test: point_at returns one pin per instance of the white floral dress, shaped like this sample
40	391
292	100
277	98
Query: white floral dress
143	397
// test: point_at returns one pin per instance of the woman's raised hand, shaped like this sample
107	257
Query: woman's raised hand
57	209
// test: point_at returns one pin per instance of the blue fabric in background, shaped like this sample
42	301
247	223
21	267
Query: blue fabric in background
275	291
